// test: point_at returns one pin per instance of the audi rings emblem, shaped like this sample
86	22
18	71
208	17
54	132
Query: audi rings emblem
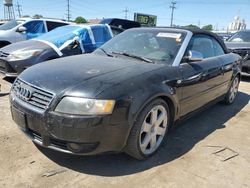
24	92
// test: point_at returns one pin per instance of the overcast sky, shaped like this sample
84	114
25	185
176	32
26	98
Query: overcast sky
216	12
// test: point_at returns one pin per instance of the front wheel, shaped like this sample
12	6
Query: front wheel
233	91
149	130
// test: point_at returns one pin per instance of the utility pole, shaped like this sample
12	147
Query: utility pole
172	6
126	13
68	10
18	6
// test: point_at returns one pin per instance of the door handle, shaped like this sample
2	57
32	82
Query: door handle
195	77
222	70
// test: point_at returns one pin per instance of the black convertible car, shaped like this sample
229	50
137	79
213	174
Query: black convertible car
239	43
127	94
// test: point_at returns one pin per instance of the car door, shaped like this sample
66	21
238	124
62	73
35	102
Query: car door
200	79
226	64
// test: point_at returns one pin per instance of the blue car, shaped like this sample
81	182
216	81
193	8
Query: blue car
60	42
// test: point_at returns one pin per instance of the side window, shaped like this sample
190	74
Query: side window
218	50
35	27
202	44
53	25
101	35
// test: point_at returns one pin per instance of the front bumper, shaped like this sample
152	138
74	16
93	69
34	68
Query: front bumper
244	53
91	134
7	69
246	67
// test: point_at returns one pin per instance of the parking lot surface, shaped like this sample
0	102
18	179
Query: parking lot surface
211	149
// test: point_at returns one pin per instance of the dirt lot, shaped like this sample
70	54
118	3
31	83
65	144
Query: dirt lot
209	150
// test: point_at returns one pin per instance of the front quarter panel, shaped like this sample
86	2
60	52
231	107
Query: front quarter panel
133	94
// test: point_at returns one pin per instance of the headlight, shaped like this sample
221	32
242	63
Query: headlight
21	54
83	106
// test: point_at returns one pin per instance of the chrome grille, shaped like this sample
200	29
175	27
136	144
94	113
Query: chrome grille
32	95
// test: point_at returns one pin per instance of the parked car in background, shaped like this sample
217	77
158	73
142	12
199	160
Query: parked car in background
224	36
64	41
120	25
240	43
127	94
26	28
1	23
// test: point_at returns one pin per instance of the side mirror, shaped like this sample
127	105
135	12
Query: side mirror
193	56
21	29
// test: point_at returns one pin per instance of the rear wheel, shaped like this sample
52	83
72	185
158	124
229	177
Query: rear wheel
149	131
233	91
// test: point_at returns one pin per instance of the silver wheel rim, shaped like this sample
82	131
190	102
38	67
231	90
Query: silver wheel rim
234	90
153	129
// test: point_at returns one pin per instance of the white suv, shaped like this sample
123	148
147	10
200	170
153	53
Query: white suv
26	28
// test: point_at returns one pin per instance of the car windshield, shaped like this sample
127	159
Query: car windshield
11	24
156	45
242	36
62	34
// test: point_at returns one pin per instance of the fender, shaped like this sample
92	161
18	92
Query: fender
141	98
236	70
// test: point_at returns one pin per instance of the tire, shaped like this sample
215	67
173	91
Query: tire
232	92
147	134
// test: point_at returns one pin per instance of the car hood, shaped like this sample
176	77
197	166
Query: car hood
24	46
238	45
89	71
4	34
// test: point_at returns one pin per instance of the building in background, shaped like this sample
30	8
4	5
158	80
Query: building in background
237	24
94	21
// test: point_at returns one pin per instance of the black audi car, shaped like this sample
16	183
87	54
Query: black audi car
126	95
239	43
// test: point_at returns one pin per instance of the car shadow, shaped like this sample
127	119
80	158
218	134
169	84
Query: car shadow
9	79
179	141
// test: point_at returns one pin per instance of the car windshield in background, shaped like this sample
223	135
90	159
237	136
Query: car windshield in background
242	36
62	34
158	46
11	24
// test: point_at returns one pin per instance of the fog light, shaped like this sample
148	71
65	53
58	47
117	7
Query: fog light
82	147
74	147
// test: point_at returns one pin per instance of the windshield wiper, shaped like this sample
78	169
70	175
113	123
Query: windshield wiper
108	54
134	56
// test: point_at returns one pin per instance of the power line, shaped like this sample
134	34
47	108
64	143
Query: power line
18	8
172	6
68	10
126	12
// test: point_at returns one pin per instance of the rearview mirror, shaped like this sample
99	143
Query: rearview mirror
21	29
193	56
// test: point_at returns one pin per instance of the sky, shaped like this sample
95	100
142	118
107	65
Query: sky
219	13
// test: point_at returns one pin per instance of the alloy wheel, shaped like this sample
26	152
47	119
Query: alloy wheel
234	89
153	129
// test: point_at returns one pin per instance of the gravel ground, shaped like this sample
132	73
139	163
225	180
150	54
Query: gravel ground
208	150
